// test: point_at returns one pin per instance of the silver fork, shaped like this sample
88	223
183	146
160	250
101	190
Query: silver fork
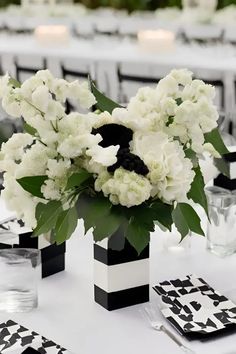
149	312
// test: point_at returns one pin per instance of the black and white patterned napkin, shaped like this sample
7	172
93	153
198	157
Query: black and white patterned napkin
193	306
16	339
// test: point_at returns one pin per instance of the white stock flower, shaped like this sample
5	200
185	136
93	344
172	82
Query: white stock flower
74	146
19	201
11	104
124	187
104	156
41	98
58	168
5	87
14	148
80	92
34	161
51	190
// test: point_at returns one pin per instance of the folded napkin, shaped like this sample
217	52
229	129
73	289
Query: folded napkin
16	339
193	306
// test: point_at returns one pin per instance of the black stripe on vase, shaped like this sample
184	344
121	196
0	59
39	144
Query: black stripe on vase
112	257
123	298
225	182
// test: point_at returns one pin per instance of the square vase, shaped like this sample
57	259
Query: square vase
121	278
52	256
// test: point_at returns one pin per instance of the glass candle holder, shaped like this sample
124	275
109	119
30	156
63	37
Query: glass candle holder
19	273
221	230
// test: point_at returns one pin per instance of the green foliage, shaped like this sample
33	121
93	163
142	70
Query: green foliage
103	103
196	192
186	219
33	184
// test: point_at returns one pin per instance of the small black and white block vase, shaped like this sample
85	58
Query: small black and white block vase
52	256
121	278
228	182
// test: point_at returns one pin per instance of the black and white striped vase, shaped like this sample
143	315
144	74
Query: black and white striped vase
121	277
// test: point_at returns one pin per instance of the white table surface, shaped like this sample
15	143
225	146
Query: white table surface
212	57
68	314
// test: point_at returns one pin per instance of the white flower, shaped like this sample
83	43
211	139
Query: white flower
19	201
41	97
58	168
170	173
80	92
125	187
60	88
11	105
104	156
182	76
4	85
168	87
50	190
34	161
14	148
74	146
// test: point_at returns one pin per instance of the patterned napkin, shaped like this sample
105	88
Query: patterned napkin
192	306
16	339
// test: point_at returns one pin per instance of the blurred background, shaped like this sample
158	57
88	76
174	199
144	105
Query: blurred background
131	5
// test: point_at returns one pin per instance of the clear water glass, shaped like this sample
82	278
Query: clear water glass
221	230
19	274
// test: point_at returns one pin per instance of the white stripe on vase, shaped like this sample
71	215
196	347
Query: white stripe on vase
121	276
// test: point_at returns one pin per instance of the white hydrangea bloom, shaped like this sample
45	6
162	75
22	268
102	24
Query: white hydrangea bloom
182	76
170	173
127	188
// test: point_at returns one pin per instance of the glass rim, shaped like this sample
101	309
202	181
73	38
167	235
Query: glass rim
20	253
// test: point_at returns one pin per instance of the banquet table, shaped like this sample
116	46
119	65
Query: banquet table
68	314
102	55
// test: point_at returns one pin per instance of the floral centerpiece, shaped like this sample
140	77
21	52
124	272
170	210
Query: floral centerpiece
116	167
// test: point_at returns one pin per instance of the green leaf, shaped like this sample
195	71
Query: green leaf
92	209
186	219
107	225
216	140
77	179
15	83
179	101
33	184
197	193
137	235
222	166
162	214
190	154
65	225
103	103
30	130
47	217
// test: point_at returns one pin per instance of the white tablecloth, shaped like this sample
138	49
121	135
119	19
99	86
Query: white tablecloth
103	55
68	315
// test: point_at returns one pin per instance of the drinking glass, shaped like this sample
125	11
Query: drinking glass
19	273
221	230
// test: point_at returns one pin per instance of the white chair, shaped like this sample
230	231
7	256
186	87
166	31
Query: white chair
230	34
202	32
